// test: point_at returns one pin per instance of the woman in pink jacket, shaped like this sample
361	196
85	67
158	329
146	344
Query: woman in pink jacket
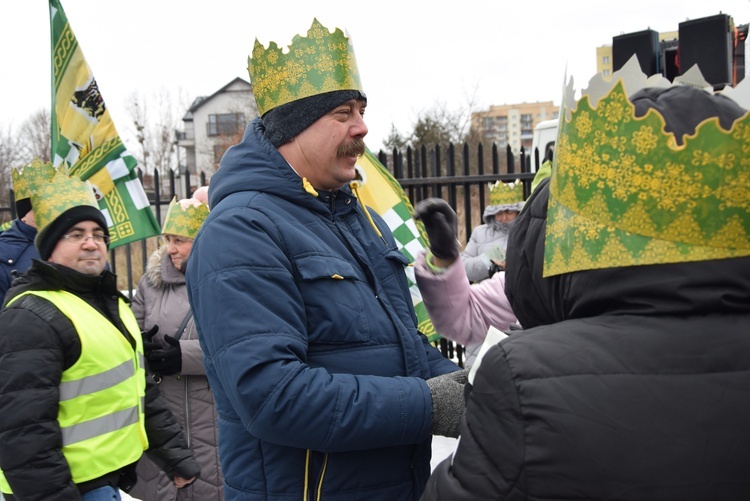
460	311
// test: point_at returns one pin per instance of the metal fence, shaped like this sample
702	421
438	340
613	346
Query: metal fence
436	171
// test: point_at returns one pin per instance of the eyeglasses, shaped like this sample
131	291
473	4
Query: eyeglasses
77	237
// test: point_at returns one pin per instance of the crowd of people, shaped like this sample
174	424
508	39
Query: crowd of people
271	350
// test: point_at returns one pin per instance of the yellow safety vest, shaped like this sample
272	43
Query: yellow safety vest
101	413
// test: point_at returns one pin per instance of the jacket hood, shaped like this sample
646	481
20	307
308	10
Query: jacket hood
255	165
489	212
160	272
701	287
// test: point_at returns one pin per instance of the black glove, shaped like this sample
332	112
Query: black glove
165	361
149	344
440	222
495	268
447	402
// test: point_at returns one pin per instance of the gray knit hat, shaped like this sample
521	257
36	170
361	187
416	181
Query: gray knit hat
285	122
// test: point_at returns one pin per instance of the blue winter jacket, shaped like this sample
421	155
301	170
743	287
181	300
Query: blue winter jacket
16	252
309	338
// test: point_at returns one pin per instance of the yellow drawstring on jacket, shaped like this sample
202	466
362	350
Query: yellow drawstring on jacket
308	187
355	186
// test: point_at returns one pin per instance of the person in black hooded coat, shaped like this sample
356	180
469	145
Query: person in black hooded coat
628	382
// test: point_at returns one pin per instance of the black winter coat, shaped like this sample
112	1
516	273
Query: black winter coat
37	344
629	383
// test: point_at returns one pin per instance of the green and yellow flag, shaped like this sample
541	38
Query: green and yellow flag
84	136
380	190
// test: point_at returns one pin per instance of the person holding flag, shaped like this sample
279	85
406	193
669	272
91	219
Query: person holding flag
325	389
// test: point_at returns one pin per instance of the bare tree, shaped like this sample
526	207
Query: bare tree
154	120
437	125
395	139
34	137
9	158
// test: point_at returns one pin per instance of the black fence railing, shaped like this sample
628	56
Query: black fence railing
461	178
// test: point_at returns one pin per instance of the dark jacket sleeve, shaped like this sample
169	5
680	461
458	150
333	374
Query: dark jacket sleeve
438	363
167	445
487	464
32	359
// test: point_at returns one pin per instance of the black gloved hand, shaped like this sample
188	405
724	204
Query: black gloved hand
149	344
166	361
447	393
440	223
495	268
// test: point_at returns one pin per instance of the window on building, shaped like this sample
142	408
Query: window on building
225	124
605	73
605	60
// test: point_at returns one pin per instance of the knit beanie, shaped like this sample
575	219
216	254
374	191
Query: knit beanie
46	240
285	122
23	207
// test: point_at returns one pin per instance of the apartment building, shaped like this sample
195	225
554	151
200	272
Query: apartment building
512	124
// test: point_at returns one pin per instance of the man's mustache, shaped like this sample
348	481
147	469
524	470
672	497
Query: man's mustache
355	148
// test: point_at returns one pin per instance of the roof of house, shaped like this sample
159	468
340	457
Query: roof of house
201	100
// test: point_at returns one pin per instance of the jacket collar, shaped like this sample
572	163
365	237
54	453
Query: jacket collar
44	275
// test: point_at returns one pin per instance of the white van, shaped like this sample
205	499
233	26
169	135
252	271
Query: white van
545	135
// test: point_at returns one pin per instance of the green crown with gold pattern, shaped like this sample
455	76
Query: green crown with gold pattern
184	217
321	62
506	193
58	195
623	193
29	178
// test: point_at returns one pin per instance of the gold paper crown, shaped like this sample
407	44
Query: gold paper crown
623	193
28	179
506	193
321	62
185	217
58	195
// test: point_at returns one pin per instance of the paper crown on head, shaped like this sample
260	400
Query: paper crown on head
29	178
623	193
321	62
185	217
506	193
57	195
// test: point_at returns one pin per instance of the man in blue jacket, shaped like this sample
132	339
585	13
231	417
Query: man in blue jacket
17	242
324	387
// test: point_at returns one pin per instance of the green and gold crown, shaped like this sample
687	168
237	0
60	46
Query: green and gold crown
185	217
321	62
58	195
623	193
29	178
506	193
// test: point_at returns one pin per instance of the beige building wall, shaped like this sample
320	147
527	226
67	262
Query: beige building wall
512	124
604	61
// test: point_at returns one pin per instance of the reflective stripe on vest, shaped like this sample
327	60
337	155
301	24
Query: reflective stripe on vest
102	394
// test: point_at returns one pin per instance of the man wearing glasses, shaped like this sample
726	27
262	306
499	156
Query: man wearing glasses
76	408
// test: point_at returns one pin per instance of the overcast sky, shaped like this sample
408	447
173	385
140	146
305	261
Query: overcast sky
412	54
